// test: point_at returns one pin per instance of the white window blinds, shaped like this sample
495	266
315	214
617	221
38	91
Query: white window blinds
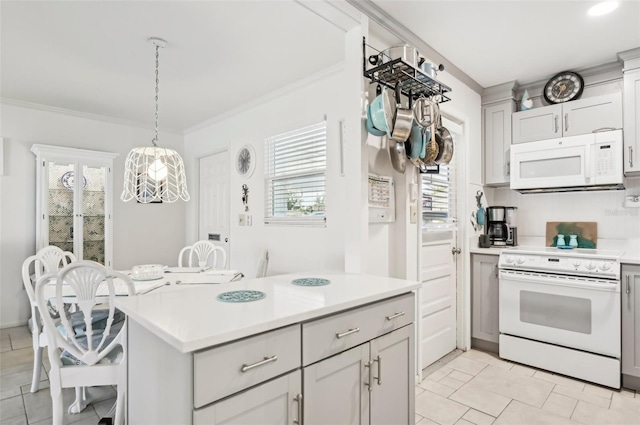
295	167
439	198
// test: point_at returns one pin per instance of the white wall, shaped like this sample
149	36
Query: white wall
291	249
143	233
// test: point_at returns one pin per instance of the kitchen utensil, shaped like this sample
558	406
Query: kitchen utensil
398	156
147	272
445	145
480	215
371	129
403	120
425	111
382	111
428	68
432	147
407	53
416	139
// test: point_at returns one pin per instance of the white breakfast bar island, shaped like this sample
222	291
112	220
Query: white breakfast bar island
306	349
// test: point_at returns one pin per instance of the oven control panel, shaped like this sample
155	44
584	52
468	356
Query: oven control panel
582	266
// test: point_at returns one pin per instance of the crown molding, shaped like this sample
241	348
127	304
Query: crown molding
283	91
85	115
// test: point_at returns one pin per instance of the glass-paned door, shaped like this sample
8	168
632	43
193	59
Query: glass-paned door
93	210
60	194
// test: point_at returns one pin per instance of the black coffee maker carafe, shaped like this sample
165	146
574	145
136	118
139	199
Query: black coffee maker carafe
497	226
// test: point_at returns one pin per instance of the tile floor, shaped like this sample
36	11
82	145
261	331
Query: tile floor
18	406
462	389
479	388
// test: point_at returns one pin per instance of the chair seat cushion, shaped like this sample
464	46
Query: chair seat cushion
99	323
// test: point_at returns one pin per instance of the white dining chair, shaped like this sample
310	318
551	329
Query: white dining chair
199	253
47	260
84	352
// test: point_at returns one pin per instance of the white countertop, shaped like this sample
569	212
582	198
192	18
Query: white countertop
190	317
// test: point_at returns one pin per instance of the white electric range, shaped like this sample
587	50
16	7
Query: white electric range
560	311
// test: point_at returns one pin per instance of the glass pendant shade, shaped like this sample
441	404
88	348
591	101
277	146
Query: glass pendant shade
154	174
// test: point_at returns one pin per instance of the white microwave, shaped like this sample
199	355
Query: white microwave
585	162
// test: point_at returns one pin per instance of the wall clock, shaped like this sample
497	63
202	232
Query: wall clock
246	161
563	87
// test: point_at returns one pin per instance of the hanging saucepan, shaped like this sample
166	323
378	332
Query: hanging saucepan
445	145
402	121
397	155
426	111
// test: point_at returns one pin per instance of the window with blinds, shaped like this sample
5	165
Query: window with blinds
438	198
295	167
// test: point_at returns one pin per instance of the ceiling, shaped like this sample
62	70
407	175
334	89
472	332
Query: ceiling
93	56
494	42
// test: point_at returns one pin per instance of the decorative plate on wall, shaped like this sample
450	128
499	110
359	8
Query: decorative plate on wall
68	179
246	161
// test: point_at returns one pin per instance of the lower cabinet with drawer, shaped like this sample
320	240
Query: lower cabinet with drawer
352	367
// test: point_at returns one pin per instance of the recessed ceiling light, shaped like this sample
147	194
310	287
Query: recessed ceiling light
602	8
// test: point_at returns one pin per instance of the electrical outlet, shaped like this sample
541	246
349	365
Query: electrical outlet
249	220
632	201
413	213
242	218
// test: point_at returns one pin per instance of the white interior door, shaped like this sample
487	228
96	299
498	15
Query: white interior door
214	200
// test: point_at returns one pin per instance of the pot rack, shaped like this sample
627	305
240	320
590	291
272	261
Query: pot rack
413	82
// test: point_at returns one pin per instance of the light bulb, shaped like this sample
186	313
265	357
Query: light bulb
602	8
157	170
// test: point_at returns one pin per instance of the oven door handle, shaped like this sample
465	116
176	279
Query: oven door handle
520	277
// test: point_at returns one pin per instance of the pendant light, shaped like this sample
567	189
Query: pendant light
152	173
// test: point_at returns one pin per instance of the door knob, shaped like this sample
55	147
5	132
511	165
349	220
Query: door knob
226	239
455	250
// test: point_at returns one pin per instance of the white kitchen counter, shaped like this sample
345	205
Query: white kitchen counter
190	318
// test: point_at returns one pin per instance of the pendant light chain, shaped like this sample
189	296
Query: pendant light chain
155	140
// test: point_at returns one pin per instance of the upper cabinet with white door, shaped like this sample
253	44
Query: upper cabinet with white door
568	119
498	104
631	99
74	201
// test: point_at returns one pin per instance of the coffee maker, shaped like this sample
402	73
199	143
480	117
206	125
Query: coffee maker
497	226
511	220
501	226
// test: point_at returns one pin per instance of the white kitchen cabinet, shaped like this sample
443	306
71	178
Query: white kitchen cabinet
485	330
632	122
631	327
276	402
497	142
369	384
568	119
74	201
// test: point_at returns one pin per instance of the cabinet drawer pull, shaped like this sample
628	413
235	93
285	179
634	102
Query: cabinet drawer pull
566	122
393	316
600	130
370	383
298	399
345	333
555	119
379	377
631	156
245	367
628	286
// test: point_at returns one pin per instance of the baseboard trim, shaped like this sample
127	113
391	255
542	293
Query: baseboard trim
7	325
483	345
631	382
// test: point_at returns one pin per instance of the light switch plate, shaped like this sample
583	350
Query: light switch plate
632	201
242	218
249	220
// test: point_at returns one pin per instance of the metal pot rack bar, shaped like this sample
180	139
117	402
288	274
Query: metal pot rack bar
413	82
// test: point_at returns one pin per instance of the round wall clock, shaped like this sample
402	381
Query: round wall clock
563	87
246	161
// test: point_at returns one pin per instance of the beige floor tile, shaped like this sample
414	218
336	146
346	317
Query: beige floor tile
518	413
598	390
560	404
450	382
626	403
478	418
16	361
460	376
419	390
489	358
624	393
19	331
581	395
5	343
21	342
439	409
439	374
418	417
480	399
103	407
464	422
466	365
38	406
25	389
514	385
18	420
12	407
588	413
523	370
559	379
437	387
10	384
426	421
